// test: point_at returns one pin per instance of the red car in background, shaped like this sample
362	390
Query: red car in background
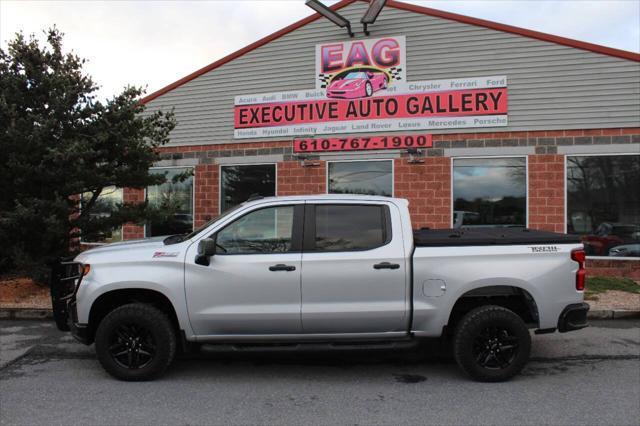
357	84
610	235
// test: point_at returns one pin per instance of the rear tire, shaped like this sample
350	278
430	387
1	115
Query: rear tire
135	342
491	344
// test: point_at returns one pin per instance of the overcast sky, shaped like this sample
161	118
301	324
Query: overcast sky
153	43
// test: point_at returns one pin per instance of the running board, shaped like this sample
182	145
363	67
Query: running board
312	346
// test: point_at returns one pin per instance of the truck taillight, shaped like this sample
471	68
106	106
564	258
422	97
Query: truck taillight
579	256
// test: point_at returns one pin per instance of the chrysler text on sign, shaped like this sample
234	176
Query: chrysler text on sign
442	104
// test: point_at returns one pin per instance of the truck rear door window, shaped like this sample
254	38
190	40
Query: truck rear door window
349	227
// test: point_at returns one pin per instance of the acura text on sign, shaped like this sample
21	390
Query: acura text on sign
457	103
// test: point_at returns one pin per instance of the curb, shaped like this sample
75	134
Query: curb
33	314
26	314
613	314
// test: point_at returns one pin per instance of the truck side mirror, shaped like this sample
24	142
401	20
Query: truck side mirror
206	249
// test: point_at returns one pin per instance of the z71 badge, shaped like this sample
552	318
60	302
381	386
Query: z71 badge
165	254
543	249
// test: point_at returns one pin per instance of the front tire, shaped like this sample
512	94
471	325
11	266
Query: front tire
491	344
135	342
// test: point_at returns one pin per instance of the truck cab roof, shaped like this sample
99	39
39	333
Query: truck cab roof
326	197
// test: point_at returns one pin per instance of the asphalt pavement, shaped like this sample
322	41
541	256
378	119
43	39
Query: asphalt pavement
587	377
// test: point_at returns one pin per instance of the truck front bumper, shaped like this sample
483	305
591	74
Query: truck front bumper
573	317
65	280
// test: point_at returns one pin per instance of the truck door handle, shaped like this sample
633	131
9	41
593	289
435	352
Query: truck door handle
282	267
386	265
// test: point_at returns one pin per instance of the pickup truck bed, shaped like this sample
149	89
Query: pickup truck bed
488	237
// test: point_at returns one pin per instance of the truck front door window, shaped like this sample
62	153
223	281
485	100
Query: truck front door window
259	232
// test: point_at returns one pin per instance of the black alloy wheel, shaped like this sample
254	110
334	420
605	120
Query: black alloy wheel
495	348
132	346
136	342
491	343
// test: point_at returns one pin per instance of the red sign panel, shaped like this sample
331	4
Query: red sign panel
434	104
362	143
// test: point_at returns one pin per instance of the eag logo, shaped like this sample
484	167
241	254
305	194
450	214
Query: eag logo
383	56
384	53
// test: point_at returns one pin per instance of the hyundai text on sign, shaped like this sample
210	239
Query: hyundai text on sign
442	104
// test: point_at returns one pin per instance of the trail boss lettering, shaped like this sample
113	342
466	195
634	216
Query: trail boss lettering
543	249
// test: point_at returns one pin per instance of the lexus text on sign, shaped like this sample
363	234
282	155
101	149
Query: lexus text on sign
424	105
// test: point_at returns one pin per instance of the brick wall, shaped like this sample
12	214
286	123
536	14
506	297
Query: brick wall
546	192
545	142
427	186
613	268
294	179
207	203
131	231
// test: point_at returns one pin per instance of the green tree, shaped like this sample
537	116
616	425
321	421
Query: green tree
57	140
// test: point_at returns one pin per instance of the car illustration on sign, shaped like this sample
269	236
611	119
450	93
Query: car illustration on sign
357	84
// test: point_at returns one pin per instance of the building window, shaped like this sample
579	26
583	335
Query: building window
361	177
264	231
603	203
107	201
489	192
174	199
239	183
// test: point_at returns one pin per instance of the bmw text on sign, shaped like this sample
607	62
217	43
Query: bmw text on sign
361	87
423	105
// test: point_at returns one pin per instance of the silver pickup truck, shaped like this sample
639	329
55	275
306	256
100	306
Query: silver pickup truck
334	270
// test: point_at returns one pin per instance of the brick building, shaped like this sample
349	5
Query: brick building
475	123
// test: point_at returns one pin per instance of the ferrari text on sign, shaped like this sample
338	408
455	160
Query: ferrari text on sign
480	102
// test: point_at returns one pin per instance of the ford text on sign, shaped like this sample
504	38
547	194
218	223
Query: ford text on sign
362	143
423	105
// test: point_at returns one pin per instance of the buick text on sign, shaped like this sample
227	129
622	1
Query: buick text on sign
362	143
422	105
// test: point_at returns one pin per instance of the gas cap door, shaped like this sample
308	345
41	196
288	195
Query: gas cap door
433	287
